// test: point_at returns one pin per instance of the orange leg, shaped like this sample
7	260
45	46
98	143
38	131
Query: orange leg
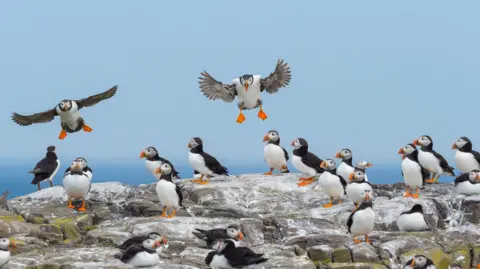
407	192
305	178
164	212
269	173
38	184
83	209
306	182
262	114
70	204
173	214
206	181
339	201
329	204
367	240
356	241
356	207
433	180
62	135
87	128
415	195
198	180
241	117
51	184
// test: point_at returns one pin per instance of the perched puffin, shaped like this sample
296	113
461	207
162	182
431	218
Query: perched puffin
227	255
431	160
169	193
139	240
419	262
361	221
142	255
247	88
203	162
86	169
413	172
346	167
363	165
412	220
46	168
468	183
77	183
69	112
358	187
153	161
305	161
333	184
466	158
5	244
213	235
274	154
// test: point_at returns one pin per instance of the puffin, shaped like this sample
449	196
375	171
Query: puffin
169	193
346	167
247	88
69	112
305	161
77	183
333	184
468	183
358	187
142	255
227	255
213	235
5	245
363	165
139	240
274	154
413	172
431	160
466	158
86	169
412	220
419	262
362	220
46	168
153	161
203	162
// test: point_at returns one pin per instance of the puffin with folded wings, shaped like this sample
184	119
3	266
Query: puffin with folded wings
69	112
247	88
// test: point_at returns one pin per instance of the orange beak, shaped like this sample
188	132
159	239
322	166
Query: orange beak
454	146
478	266
142	154
265	138
158	170
412	264
350	177
164	240
369	165
400	151
12	243
189	146
415	142
293	143
246	86
157	244
323	165
239	236
338	155
367	197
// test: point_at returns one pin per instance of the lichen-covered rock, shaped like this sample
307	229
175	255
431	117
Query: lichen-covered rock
321	253
342	255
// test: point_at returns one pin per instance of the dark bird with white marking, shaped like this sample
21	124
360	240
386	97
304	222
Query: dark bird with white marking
46	168
413	172
466	158
305	162
142	255
468	183
203	162
332	183
213	235
362	220
412	220
153	161
169	193
274	154
227	255
432	160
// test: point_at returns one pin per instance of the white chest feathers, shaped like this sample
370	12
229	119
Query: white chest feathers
331	184
70	117
76	186
144	259
300	166
152	167
466	162
412	173
413	222
167	194
356	191
363	222
274	156
251	96
430	162
467	188
4	257
219	261
198	163
344	170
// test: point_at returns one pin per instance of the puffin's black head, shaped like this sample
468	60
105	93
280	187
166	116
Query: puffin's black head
420	261
195	142
417	208
424	141
407	149
65	105
463	144
51	149
363	165
328	164
164	169
246	81
299	142
271	136
344	154
149	153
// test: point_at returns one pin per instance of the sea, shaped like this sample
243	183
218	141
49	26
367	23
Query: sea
16	179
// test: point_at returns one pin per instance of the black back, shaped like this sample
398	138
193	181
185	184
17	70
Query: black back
443	163
468	147
465	177
363	205
415	209
132	250
210	161
238	256
308	158
137	240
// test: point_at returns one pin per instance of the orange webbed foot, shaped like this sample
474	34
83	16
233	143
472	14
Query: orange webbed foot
196	180
71	206
305	178
328	205
305	183
62	135
415	196
240	118
367	240
82	209
204	182
268	173
262	114
87	128
356	241
172	215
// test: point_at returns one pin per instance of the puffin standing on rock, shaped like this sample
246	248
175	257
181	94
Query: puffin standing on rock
142	255
47	168
466	158
5	244
203	162
358	187
211	236
419	262
346	167
305	162
431	160
227	255
69	112
333	184
413	172
77	183
274	154
362	220
412	220
468	183
169	193
247	88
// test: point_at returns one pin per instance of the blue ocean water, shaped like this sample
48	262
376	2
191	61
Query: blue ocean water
16	180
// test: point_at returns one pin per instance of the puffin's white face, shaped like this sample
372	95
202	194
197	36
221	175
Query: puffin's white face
150	152
165	169
363	164
460	143
423	141
82	162
272	136
75	166
234	233
328	164
150	244
296	144
418	261
65	105
344	154
5	244
193	144
246	81
357	175
407	149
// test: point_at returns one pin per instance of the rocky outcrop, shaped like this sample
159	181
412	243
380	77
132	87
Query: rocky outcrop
285	222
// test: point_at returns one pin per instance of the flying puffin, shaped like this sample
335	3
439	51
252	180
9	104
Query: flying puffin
143	255
358	187
169	193
69	112
274	154
139	240
362	220
431	160
305	161
247	88
227	255
412	220
153	161
413	172
468	183
213	235
466	158
46	168
419	262
363	165
333	184
77	183
203	162
5	244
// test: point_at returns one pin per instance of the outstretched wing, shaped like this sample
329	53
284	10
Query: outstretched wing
42	117
95	99
214	89
279	78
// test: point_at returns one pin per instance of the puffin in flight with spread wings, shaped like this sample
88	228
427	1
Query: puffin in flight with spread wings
69	112
247	88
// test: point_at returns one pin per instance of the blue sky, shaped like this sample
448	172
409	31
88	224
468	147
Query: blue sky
367	75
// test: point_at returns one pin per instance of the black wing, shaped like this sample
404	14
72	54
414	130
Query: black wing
443	163
97	98
209	257
66	171
462	178
350	221
214	89
344	184
174	172
277	79
41	117
313	161
133	240
214	165
476	155
180	195
243	256
425	173
45	166
286	154
131	252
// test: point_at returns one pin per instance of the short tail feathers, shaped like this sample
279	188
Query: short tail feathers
39	178
118	255
257	260
199	233
450	171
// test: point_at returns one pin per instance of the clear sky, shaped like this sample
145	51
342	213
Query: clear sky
367	75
